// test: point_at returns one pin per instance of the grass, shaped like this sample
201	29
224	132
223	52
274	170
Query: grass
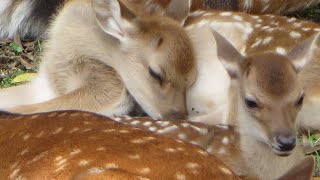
314	140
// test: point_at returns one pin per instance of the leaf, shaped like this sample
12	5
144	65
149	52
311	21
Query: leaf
26	77
15	47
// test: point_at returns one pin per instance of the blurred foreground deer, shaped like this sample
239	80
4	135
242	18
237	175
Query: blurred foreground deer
82	145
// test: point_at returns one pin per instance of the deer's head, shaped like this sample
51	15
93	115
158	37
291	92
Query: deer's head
157	61
270	95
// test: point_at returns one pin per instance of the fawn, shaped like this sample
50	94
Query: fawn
115	59
257	36
83	145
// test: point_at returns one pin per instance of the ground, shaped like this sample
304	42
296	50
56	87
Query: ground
19	62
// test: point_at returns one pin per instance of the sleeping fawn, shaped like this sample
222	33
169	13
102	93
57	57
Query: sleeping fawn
83	145
102	57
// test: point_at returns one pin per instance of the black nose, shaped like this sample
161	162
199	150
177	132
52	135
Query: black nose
286	141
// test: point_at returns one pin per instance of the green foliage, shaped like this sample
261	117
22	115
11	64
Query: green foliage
314	140
16	48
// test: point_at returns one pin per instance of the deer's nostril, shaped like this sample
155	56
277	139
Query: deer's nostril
286	142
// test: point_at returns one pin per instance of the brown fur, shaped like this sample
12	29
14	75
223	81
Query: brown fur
81	145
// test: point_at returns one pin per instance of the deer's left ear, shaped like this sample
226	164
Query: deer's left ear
179	10
302	53
230	57
114	18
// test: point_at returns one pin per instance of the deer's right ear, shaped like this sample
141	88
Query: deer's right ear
228	55
114	18
302	171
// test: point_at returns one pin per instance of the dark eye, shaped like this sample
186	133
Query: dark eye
251	104
155	75
300	101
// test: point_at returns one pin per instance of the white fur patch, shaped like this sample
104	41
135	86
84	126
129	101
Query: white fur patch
21	12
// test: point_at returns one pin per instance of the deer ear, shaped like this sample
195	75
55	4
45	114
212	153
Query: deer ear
114	18
302	53
230	57
302	171
179	9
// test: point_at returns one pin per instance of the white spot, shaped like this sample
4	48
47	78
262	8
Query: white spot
281	50
14	173
96	170
185	125
135	156
222	151
192	165
138	141
202	152
75	151
34	116
101	149
148	123
26	137
60	168
180	176
84	163
225	140
74	114
58	158
136	122
109	130
170	150
124	131
297	25
291	20
63	114
163	123
87	130
257	25
57	130
194	142
112	166
295	34
181	149
37	158
257	43
128	117
40	134
149	138
238	18
168	129
23	152
145	170
265	27
182	136
61	162
74	130
117	119
267	40
153	128
225	170
225	14
202	131
306	29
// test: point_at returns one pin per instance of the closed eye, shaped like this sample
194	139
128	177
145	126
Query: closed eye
155	75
